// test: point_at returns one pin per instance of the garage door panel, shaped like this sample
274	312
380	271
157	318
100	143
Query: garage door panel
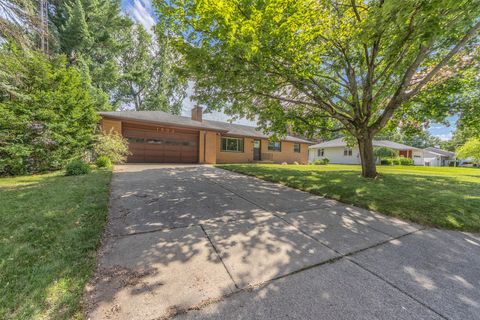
161	145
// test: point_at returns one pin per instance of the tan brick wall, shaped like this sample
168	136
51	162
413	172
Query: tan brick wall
211	147
235	157
286	155
108	124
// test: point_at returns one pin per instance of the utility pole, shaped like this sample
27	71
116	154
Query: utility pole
43	13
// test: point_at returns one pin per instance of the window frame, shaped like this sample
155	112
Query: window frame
320	152
275	149
347	152
232	138
299	148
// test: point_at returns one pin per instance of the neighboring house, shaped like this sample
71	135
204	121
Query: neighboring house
437	157
159	137
337	151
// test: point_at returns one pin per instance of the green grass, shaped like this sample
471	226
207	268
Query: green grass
50	228
435	196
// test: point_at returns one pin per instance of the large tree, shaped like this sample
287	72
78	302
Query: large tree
348	65
147	79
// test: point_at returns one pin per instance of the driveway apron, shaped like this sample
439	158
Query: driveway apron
199	242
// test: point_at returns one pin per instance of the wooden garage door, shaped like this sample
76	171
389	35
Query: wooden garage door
160	144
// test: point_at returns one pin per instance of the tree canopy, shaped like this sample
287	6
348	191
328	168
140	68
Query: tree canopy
470	150
354	66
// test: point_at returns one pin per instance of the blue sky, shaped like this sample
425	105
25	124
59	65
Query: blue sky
142	11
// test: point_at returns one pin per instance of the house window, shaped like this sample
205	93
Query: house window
347	152
232	144
320	152
274	146
135	139
296	147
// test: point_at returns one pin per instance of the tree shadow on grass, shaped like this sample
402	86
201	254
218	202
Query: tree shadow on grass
440	201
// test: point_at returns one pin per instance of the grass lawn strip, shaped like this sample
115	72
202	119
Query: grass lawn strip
50	228
442	197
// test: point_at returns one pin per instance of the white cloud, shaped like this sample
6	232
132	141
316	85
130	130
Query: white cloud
444	137
142	12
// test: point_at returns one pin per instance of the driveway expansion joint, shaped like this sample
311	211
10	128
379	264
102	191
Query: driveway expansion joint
219	257
397	288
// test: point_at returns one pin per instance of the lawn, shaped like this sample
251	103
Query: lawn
435	196
50	228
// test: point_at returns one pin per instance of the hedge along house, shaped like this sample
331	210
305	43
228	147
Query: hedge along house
159	137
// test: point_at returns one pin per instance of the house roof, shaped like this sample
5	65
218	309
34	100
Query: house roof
440	152
164	118
340	142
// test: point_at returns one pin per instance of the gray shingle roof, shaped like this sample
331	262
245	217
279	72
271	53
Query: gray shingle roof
440	152
164	118
340	142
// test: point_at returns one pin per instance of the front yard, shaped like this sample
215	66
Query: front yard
435	196
50	228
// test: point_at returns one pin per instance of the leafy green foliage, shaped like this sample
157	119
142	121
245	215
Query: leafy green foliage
147	78
435	196
323	66
103	162
77	167
323	161
470	150
396	161
47	112
111	145
384	152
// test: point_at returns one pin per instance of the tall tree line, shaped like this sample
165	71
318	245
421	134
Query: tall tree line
126	66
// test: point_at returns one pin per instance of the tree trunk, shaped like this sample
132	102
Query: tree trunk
365	145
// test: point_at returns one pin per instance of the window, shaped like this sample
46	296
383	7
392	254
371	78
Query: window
135	139
296	147
347	152
232	144
320	152
274	146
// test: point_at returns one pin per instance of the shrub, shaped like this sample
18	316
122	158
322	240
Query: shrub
77	167
111	145
103	162
47	112
284	163
296	163
323	161
405	161
386	162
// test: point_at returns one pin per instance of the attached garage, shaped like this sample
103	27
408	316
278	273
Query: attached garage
156	144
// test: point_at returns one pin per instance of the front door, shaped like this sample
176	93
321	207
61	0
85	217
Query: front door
256	150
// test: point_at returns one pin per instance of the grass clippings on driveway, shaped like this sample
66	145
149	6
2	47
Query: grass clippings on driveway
443	197
50	228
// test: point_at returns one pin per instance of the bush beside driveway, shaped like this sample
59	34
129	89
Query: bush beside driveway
434	196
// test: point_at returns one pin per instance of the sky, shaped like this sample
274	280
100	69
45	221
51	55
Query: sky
143	12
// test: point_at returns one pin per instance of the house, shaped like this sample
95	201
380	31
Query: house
337	151
159	137
437	157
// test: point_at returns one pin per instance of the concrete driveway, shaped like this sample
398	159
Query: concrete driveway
203	243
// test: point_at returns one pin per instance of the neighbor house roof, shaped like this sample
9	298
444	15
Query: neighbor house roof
440	152
164	118
340	142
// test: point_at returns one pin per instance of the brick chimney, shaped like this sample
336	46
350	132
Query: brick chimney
197	113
